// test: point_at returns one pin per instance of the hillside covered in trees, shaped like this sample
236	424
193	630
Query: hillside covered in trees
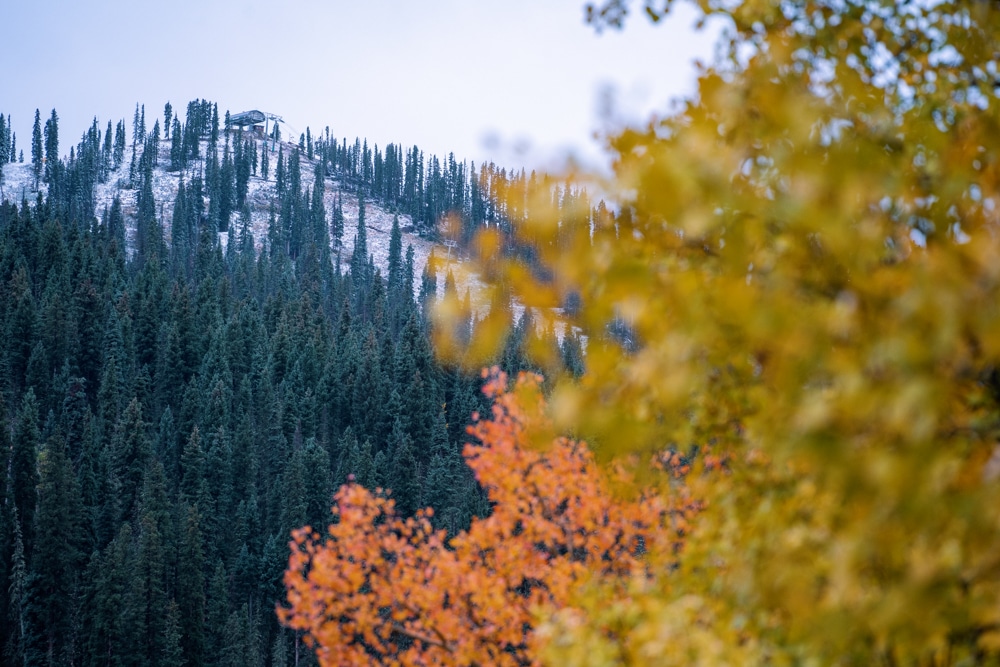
196	354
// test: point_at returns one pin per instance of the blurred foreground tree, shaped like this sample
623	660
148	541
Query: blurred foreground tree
798	275
802	274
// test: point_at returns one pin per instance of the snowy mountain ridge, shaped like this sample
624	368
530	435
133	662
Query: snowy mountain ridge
17	184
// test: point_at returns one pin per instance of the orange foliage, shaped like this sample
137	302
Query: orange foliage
382	589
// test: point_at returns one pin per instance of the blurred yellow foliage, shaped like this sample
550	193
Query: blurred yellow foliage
806	260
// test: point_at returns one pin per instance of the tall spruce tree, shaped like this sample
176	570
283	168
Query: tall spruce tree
57	558
168	112
4	142
177	155
130	452
119	150
51	146
107	153
23	465
190	588
402	477
37	156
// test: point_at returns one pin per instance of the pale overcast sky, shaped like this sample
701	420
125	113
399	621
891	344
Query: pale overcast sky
482	79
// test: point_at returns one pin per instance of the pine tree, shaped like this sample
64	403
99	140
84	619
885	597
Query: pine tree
444	479
181	231
130	453
51	146
116	223
216	616
148	600
190	591
7	526
279	173
22	324
177	155
319	231
272	565
337	226
107	154
395	268
428	286
242	643
4	142
317	483
294	504
359	255
408	282
402	477
105	618
171	641
36	149
24	464
214	137
153	143
23	641
155	502
292	208
56	557
227	189
192	488
137	139
572	353
370	392
149	231
133	168
359	465
168	112
36	374
242	163
279	651
119	151
213	187
462	402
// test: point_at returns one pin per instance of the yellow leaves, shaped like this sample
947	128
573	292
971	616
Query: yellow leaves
801	278
844	373
908	412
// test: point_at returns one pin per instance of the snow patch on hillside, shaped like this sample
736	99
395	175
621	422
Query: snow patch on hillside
18	184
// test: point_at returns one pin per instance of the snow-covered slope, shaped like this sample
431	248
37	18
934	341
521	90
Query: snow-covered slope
18	183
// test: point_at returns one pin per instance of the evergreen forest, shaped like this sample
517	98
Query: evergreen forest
179	393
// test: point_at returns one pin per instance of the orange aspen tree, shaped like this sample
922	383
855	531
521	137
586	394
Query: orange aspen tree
377	588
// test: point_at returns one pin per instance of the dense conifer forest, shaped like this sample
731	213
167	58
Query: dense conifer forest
178	394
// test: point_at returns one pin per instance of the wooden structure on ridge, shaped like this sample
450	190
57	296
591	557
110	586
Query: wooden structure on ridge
256	120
